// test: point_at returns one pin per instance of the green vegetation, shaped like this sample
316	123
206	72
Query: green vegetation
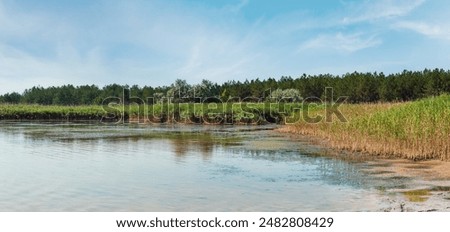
379	124
32	112
359	87
213	113
416	130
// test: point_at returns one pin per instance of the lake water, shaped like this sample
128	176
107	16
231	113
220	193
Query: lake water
97	167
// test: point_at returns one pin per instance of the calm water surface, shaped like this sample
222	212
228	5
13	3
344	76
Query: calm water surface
95	167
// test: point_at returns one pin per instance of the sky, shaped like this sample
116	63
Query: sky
155	42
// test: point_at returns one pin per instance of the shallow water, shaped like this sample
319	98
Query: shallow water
98	167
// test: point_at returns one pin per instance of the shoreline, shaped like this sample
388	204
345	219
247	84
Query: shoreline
429	170
429	180
188	113
428	187
429	190
418	130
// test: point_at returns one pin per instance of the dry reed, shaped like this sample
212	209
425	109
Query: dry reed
417	130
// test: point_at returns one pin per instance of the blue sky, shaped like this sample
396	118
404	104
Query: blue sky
58	42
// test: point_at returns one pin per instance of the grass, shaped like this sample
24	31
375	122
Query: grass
39	112
415	130
220	113
215	113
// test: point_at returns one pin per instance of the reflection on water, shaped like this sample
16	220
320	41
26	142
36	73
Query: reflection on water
93	167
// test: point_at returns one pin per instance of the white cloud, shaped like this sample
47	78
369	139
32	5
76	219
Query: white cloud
341	42
430	30
237	7
156	42
171	43
20	70
376	10
220	57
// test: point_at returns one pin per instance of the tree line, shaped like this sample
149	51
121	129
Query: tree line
358	87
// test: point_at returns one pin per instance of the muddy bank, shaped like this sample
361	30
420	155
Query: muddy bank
434	202
413	186
428	190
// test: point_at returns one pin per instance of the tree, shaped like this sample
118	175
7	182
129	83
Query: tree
292	95
11	98
179	91
359	87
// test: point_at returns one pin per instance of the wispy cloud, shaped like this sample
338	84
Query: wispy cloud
215	56
341	42
377	10
430	30
155	42
237	7
166	43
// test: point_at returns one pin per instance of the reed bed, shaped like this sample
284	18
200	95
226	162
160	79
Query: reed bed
214	113
40	112
417	130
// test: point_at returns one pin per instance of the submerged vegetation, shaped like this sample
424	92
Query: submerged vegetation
415	130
